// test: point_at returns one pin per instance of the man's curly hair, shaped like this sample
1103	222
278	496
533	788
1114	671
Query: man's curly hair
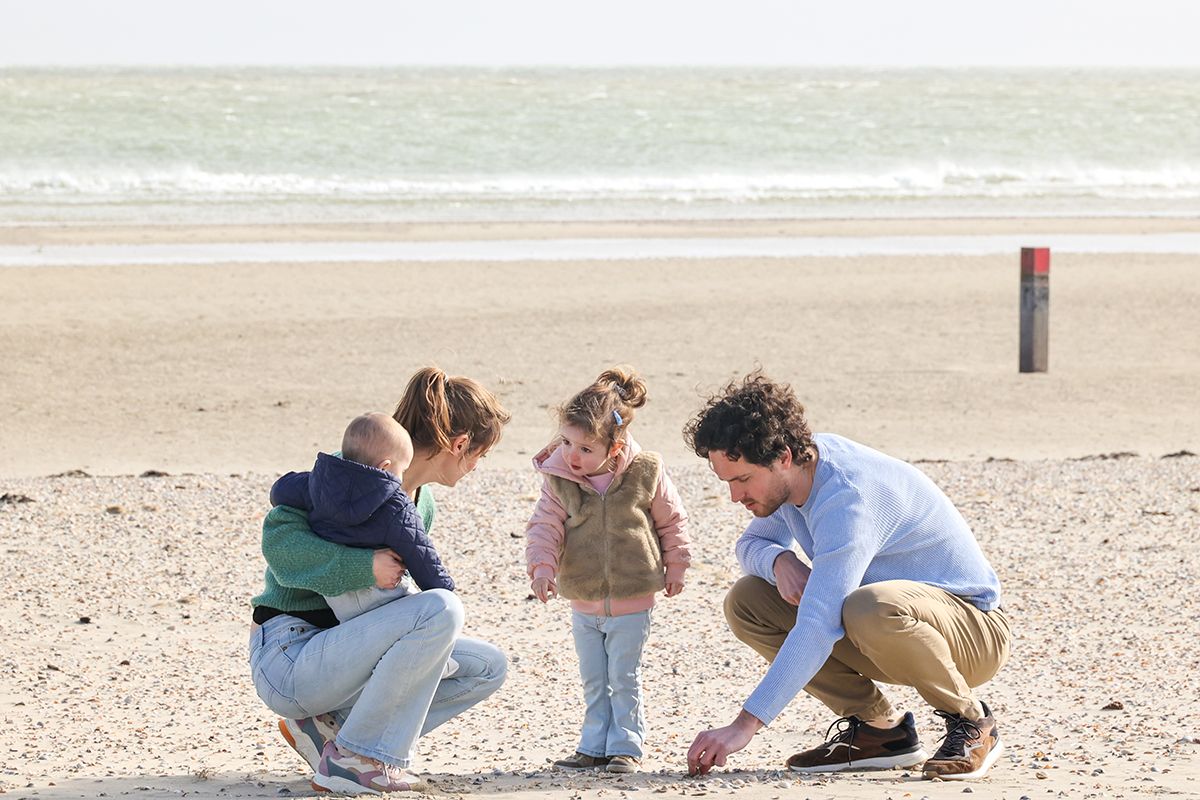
756	420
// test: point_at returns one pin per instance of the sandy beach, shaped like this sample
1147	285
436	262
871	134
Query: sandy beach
230	368
127	616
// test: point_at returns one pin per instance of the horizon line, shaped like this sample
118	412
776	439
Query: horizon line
587	66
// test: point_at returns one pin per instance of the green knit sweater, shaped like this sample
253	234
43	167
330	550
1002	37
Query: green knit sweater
302	567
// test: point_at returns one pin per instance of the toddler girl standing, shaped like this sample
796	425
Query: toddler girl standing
608	533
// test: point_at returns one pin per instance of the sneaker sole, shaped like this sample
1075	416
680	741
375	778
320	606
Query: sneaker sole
345	786
868	764
339	784
332	783
301	744
979	773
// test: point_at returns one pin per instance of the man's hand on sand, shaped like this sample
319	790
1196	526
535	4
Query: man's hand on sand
791	576
712	747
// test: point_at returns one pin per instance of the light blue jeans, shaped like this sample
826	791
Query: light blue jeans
380	674
349	605
610	664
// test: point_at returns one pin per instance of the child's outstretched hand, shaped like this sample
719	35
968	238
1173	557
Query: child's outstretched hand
674	588
544	588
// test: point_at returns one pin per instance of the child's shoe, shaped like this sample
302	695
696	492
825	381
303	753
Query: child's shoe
350	773
581	761
623	764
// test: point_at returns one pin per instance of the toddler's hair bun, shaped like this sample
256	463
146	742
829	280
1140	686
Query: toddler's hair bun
628	385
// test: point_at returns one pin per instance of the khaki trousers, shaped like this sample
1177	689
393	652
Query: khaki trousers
899	632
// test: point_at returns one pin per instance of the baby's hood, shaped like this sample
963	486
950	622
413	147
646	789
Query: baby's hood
345	493
551	462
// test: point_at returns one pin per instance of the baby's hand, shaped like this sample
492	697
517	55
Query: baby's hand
674	588
544	588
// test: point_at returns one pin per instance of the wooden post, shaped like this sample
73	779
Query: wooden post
1035	309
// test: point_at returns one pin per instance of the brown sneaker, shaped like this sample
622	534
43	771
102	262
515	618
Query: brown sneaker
968	750
623	764
582	761
858	746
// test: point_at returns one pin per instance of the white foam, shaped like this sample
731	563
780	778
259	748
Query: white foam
586	249
186	183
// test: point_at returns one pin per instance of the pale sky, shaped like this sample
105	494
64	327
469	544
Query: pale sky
1152	33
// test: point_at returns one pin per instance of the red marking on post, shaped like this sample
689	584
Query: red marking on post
1035	260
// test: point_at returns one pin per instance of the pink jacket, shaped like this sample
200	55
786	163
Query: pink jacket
545	532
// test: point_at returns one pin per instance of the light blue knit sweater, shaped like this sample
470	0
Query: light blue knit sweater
869	518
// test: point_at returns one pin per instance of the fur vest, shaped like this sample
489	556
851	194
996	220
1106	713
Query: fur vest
610	547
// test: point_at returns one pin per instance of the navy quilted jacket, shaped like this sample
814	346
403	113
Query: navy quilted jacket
353	504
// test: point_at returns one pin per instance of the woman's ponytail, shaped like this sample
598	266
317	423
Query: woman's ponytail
436	408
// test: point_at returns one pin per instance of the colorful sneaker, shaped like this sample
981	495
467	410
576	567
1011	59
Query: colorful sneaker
623	764
968	750
308	736
858	746
349	773
581	761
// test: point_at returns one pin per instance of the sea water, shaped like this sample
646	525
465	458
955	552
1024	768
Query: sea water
415	144
642	248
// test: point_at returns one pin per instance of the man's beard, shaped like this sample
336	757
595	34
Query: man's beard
769	505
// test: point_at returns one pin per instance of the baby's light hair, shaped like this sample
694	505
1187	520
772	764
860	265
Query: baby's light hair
374	437
605	409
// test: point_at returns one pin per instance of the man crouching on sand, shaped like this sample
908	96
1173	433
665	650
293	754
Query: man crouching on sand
898	591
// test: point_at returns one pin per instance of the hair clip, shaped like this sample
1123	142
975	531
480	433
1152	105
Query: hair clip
617	417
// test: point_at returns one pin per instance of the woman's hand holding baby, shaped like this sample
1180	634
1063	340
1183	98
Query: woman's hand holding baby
389	569
544	588
674	588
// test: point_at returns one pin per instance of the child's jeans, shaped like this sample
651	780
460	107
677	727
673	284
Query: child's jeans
610	664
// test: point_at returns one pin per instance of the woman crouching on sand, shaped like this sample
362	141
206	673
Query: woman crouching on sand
373	685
